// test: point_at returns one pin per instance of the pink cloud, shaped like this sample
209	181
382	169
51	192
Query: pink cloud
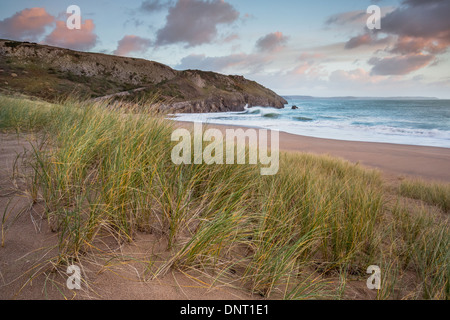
306	71
359	41
131	43
83	39
271	42
28	24
368	39
302	69
407	45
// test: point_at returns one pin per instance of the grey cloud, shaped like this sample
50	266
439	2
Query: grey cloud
271	42
399	65
417	31
421	2
430	19
194	22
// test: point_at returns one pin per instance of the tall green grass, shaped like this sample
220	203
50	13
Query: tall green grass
106	172
433	193
424	247
23	115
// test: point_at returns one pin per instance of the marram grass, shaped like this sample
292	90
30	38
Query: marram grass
301	234
433	193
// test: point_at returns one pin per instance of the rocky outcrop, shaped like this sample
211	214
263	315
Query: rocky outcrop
218	93
50	72
219	104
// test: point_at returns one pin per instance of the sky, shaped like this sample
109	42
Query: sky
294	47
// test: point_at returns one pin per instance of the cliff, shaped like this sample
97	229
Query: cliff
49	73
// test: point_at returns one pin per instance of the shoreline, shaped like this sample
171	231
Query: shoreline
399	160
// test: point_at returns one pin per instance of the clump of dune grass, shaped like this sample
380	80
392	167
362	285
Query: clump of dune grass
23	115
104	171
432	193
424	246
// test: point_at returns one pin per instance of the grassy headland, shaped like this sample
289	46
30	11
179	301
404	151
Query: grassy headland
50	73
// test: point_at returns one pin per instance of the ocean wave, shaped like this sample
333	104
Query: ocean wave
271	115
432	133
303	119
383	129
252	111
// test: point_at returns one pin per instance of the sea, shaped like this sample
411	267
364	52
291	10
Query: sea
396	121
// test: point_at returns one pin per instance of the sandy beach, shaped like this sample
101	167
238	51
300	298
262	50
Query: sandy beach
395	160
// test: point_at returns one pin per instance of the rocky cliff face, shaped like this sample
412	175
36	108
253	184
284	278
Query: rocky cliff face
50	72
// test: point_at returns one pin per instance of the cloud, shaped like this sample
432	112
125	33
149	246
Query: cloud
305	71
352	17
407	45
359	41
420	19
194	22
417	32
422	29
421	26
241	63
28	24
271	42
231	37
83	39
131	43
354	76
310	57
367	39
399	65
421	2
154	5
